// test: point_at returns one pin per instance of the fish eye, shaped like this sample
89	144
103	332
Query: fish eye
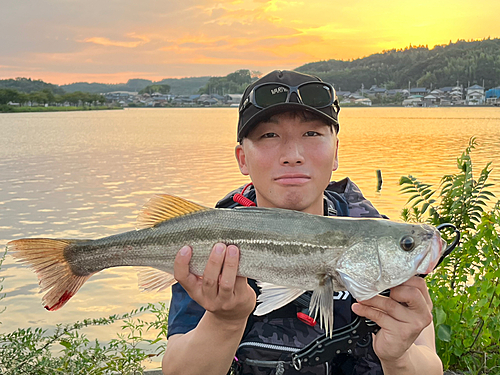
407	243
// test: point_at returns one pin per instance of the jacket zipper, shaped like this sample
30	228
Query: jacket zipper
269	346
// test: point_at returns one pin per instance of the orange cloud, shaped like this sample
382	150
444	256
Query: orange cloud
107	42
215	37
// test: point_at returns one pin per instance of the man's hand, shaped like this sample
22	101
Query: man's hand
227	296
402	317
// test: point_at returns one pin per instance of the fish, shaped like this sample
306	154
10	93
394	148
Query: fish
287	252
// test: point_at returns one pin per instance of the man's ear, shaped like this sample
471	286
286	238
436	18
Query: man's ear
336	160
241	158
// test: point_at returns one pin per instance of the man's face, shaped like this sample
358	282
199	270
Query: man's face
290	161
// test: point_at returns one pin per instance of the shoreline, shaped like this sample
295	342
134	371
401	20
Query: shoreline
15	109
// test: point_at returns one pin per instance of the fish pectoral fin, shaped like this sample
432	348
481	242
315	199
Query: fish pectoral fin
164	207
273	297
154	280
322	304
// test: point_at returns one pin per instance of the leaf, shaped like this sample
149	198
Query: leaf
440	316
444	332
65	343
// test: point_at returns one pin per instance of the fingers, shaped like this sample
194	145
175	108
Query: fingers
181	268
406	304
420	284
228	276
210	281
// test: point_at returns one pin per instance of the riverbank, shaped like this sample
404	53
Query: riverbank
15	109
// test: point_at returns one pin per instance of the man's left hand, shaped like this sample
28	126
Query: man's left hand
402	316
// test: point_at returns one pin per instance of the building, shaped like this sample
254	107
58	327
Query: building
475	95
493	96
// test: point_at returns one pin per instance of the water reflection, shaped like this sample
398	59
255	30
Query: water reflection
86	175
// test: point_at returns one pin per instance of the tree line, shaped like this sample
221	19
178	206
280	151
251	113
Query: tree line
46	96
465	62
233	83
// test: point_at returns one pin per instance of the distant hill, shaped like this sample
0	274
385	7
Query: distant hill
444	65
185	86
468	63
27	85
133	85
178	86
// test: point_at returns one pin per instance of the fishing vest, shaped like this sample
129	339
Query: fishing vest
270	340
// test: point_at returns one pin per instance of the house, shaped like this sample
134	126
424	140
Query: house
118	96
475	95
375	90
413	101
493	96
233	98
364	101
418	91
430	100
393	92
343	94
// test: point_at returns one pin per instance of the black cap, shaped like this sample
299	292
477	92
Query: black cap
252	115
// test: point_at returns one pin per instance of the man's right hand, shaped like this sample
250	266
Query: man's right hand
220	291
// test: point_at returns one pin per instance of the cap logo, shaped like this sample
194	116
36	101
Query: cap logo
279	90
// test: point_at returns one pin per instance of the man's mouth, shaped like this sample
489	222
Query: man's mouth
292	179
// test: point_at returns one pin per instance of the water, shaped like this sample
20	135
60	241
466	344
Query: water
87	174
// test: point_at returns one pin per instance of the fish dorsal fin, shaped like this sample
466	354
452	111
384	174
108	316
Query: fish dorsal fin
164	207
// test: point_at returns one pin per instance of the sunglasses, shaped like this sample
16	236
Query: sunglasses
313	94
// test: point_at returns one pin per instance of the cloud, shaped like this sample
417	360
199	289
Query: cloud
107	42
124	38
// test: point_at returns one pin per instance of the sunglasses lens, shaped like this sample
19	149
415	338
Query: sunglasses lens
270	94
316	94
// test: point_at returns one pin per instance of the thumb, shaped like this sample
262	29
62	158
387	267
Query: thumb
181	268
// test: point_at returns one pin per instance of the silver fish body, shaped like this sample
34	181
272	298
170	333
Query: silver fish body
288	251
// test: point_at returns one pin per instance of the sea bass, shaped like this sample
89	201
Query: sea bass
288	252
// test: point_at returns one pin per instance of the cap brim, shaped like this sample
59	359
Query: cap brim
267	112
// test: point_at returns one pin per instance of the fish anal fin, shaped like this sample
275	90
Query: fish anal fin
273	297
164	207
322	304
152	279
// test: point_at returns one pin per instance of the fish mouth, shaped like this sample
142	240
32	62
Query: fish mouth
427	263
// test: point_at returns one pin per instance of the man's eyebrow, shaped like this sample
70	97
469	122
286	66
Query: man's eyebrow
270	120
274	120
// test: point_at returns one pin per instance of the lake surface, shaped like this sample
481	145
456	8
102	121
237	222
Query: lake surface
87	174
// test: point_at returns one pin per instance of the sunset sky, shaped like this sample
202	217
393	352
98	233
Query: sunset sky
110	41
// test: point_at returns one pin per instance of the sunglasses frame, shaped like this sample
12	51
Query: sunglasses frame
291	89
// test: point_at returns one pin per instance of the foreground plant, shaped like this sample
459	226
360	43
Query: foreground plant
32	350
466	286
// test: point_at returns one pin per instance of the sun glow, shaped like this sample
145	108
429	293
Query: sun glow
209	37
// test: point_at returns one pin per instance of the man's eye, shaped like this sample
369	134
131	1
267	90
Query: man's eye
311	133
269	135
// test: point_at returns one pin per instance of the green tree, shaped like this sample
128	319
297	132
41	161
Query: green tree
466	287
8	95
162	89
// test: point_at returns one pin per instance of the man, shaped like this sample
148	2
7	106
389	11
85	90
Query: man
287	133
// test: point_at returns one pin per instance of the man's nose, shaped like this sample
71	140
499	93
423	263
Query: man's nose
291	154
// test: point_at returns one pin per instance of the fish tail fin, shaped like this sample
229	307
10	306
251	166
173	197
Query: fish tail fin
46	257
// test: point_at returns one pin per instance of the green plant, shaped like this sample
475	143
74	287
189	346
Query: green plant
466	286
32	350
